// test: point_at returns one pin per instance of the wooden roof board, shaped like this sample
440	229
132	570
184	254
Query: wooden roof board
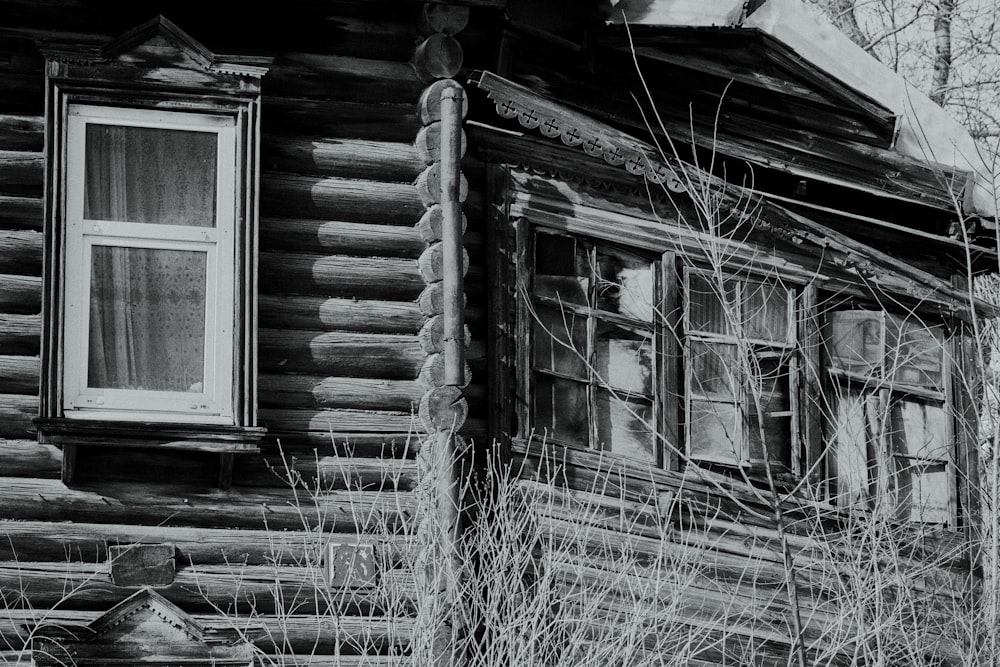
751	57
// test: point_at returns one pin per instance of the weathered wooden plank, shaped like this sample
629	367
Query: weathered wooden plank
349	200
337	118
346	443
338	275
62	542
20	334
19	374
351	158
20	212
331	471
342	77
332	421
20	294
319	313
21	252
309	391
21	132
21	172
29	458
388	356
16	413
177	505
343	238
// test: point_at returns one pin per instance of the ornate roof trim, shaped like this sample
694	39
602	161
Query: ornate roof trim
554	120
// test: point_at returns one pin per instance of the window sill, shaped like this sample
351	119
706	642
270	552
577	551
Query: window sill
221	439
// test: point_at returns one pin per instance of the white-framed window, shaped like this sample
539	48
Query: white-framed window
150	247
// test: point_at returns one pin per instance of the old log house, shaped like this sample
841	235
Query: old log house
714	250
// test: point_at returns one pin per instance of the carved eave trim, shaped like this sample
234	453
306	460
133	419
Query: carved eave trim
106	53
554	120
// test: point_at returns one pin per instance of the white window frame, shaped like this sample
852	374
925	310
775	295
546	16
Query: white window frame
214	404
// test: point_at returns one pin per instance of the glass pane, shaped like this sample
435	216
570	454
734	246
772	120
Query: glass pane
924	494
917	358
147	319
625	284
562	269
713	369
769	422
765	311
712	431
561	410
709	308
624	358
848	454
625	427
854	340
920	430
560	342
148	175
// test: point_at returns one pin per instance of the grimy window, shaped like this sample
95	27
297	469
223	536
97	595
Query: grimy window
890	429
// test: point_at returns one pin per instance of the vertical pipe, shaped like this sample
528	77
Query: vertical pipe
452	100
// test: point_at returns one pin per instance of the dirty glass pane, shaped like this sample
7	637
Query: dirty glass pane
712	431
150	175
562	269
625	284
560	343
710	308
714	370
917	358
624	358
854	341
920	430
625	427
848	454
561	410
923	493
765	311
768	405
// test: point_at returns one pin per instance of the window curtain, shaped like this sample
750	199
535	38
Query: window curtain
147	305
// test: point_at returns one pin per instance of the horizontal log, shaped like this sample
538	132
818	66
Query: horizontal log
296	633
178	505
205	588
21	251
19	375
22	132
16	414
389	356
308	391
339	275
350	200
20	334
332	421
63	542
21	212
345	158
346	443
21	172
319	76
342	238
29	458
20	294
329	118
330	471
319	313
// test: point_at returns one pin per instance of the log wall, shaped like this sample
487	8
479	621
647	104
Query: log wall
342	363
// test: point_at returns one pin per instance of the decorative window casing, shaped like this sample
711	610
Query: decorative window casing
151	229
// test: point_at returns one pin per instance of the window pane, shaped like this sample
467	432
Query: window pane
710	309
147	319
923	493
625	284
625	427
560	342
562	269
917	357
713	369
712	431
848	455
765	311
854	340
147	175
561	410
768	419
624	358
920	430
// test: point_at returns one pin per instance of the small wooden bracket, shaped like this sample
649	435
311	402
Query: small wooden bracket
142	564
350	563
